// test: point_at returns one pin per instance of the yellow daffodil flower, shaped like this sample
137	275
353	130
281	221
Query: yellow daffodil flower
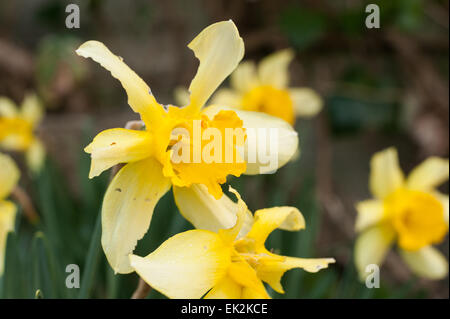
9	176
17	128
150	172
265	89
231	263
408	211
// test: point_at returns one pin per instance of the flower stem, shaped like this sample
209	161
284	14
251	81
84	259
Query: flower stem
21	196
142	290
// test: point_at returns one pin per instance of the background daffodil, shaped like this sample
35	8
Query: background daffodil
228	264
265	89
149	173
17	129
9	176
408	211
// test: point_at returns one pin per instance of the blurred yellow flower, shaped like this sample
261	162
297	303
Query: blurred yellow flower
265	89
17	128
150	171
410	212
9	176
231	263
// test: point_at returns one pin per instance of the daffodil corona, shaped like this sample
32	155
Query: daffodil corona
150	170
17	129
411	212
231	263
9	176
265	89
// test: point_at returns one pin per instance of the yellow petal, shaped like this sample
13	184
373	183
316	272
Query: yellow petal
427	262
243	274
35	155
371	247
128	208
117	145
227	97
186	265
7	108
219	49
370	212
273	70
307	102
199	207
140	97
385	173
272	271
32	109
263	153
248	293
429	174
7	218
443	198
244	78
269	219
227	288
9	175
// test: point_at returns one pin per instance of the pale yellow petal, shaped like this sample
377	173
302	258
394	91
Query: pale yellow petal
31	109
386	175
219	49
227	288
273	70
307	102
427	262
244	78
35	155
128	208
7	218
244	221
199	207
7	107
429	174
271	142
227	97
369	212
9	175
443	198
371	247
117	145
186	265
269	219
272	271
140	97
181	96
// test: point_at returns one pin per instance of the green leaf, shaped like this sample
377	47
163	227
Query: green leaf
303	27
92	261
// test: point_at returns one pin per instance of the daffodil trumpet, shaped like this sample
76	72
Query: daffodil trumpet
9	176
18	127
150	170
228	264
408	211
264	88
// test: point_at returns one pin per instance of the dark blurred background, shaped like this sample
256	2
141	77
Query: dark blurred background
381	87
